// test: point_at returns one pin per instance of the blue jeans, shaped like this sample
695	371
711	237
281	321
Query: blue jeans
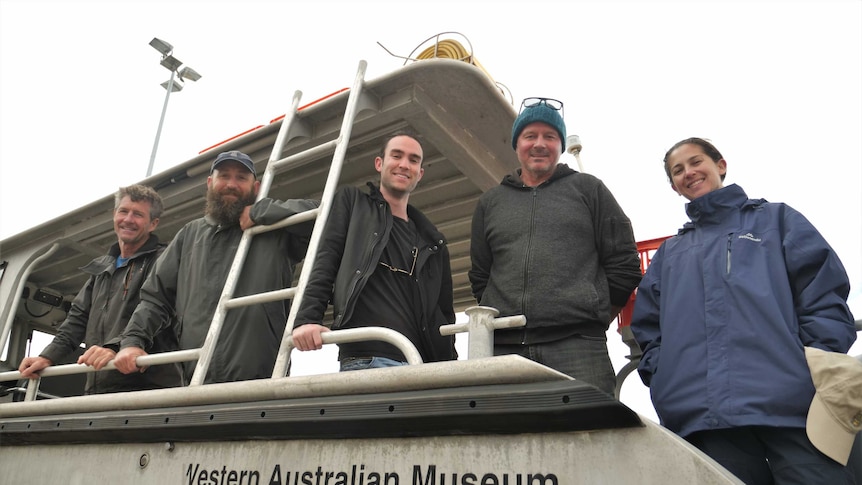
359	363
584	358
765	455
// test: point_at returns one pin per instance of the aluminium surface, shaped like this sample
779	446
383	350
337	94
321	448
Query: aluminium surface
506	394
495	420
461	114
462	410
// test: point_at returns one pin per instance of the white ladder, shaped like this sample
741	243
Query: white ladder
356	99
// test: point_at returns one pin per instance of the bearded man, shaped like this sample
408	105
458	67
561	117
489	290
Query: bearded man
189	277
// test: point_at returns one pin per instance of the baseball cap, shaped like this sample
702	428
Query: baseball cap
835	415
236	156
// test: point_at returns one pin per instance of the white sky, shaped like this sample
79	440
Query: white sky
777	85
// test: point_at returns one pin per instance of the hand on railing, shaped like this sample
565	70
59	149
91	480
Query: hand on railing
142	361
97	357
245	220
31	366
382	334
126	360
309	336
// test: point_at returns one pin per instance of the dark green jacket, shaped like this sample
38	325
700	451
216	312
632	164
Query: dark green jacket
189	278
101	311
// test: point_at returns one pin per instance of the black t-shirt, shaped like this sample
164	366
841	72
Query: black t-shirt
390	298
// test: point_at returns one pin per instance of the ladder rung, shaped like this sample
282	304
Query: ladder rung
305	155
275	295
293	220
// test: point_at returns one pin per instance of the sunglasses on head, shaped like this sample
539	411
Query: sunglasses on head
554	104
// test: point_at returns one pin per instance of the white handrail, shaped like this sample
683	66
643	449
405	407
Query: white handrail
7	326
72	369
402	343
370	333
142	361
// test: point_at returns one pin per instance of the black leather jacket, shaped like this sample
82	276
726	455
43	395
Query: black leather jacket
356	233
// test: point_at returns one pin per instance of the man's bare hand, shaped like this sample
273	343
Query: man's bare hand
97	357
31	366
245	218
307	337
125	360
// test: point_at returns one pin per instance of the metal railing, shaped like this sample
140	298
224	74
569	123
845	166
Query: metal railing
480	327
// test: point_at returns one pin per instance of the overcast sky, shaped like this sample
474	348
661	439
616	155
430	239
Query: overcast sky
775	84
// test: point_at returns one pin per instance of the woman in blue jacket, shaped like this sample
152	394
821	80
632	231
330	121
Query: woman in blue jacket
722	315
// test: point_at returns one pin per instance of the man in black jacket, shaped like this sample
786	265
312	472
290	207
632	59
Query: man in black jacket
105	303
382	263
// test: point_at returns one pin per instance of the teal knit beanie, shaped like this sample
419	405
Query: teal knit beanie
539	112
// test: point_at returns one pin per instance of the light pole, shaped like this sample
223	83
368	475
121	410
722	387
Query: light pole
172	64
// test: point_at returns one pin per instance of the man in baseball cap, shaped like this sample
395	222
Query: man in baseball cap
191	273
835	415
236	156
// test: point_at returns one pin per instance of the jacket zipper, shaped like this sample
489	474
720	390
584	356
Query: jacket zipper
534	196
127	278
729	241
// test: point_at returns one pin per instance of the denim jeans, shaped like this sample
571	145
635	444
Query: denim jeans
768	455
584	358
359	363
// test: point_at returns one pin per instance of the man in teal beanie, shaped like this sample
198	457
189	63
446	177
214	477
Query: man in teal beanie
553	245
543	112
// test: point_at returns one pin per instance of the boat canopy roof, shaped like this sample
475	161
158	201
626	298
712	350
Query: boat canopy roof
462	116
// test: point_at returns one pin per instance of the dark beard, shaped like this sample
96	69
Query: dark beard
225	212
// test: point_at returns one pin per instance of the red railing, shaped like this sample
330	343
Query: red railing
646	249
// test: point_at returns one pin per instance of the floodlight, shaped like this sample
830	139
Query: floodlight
189	74
161	46
171	63
176	85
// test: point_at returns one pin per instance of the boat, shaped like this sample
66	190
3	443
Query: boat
482	420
